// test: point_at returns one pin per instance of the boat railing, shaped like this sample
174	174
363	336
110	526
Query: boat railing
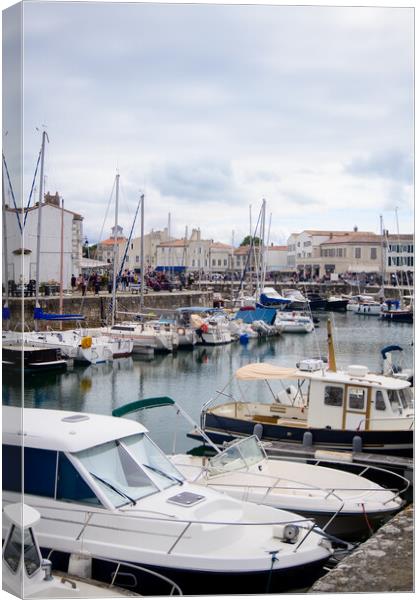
364	420
365	469
174	588
88	514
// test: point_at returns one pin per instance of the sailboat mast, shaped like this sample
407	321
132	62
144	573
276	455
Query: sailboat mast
5	269
114	278
142	254
39	226
61	260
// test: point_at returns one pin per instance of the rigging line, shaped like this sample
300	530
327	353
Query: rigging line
90	269
129	237
32	188
249	253
12	192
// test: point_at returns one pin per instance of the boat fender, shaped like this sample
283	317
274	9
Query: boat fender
307	440
287	533
204	328
86	342
258	430
80	565
181	331
243	339
357	444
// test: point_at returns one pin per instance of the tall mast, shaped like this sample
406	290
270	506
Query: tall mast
114	280
383	250
39	227
61	260
142	254
5	269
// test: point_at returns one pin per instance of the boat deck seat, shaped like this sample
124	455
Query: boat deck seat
264	419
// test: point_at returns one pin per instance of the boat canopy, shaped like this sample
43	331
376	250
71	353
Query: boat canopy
141	405
258	371
41	316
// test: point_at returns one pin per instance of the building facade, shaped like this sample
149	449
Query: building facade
22	242
105	249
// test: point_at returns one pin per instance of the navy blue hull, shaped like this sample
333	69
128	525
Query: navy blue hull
397	443
198	583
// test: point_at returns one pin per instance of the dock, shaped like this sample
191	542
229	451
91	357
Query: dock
384	563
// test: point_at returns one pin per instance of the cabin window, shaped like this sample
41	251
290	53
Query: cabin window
356	398
39	472
379	401
71	487
155	461
116	473
12	468
31	555
333	396
13	549
394	401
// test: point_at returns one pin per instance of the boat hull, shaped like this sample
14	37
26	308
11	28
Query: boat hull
200	582
397	316
392	442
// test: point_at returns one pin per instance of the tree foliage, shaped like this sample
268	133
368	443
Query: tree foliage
247	241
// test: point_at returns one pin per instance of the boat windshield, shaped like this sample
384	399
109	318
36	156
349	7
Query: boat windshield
241	455
118	468
401	399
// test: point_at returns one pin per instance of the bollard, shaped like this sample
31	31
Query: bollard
357	443
258	430
307	439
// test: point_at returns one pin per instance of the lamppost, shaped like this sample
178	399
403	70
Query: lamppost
87	247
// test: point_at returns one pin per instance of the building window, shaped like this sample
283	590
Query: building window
213	262
137	258
225	262
219	263
373	253
357	253
333	396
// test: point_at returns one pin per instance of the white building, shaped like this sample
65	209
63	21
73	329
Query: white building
151	242
276	257
221	258
399	256
22	244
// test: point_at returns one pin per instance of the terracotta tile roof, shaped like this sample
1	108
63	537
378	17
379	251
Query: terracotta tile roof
110	241
172	244
394	237
221	246
277	248
356	237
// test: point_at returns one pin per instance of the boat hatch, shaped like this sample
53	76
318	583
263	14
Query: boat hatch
75	418
186	499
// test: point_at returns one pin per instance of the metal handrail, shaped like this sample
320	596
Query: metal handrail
119	563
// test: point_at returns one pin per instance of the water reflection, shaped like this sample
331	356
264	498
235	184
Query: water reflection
193	376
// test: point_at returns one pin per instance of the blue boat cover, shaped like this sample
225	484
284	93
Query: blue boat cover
270	301
268	315
41	316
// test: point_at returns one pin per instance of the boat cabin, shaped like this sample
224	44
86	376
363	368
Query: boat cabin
88	459
352	399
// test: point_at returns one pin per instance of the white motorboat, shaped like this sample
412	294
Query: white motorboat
343	504
212	329
74	344
362	304
297	300
104	488
26	574
294	322
143	335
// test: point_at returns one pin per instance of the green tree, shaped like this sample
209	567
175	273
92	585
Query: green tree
247	241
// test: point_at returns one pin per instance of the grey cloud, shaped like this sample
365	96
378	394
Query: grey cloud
211	181
392	165
300	199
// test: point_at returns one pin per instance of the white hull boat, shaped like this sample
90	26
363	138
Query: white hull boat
143	336
343	504
116	496
294	322
26	574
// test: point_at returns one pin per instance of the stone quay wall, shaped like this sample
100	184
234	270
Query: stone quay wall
96	308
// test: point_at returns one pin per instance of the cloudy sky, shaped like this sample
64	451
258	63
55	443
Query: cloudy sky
209	109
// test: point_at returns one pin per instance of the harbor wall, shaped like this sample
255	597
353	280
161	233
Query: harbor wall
96	308
384	563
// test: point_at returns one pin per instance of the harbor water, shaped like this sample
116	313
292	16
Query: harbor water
192	377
